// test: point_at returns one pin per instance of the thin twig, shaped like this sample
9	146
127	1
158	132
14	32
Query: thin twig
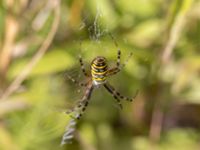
11	31
41	51
156	123
173	38
175	31
11	106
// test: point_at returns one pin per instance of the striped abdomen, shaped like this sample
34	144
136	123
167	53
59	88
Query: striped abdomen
98	70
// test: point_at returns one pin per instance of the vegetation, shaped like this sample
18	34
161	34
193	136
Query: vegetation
40	42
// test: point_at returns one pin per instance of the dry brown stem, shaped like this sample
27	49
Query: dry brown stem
41	51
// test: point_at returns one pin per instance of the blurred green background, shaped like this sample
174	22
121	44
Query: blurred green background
164	37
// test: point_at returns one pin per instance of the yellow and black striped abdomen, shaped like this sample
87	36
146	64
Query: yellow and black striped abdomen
98	70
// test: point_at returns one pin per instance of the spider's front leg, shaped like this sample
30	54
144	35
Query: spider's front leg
119	66
83	103
77	113
116	69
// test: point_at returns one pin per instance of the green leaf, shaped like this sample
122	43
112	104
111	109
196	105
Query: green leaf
52	62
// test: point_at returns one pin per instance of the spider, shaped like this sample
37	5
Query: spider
99	72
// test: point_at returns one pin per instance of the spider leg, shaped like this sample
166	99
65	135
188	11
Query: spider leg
113	71
117	69
83	103
117	94
78	111
76	82
119	66
82	66
113	92
128	58
118	51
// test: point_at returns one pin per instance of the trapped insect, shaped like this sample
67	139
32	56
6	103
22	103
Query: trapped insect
99	72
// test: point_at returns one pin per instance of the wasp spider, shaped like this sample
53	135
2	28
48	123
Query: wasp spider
99	71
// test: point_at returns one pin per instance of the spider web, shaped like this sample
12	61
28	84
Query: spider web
96	32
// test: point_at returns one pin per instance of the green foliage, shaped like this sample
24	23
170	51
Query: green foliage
165	114
54	61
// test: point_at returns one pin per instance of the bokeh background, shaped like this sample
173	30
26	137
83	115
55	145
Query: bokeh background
40	41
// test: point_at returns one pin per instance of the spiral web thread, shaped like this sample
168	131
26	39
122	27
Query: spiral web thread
69	132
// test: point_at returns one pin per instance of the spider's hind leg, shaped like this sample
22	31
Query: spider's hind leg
117	94
110	90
